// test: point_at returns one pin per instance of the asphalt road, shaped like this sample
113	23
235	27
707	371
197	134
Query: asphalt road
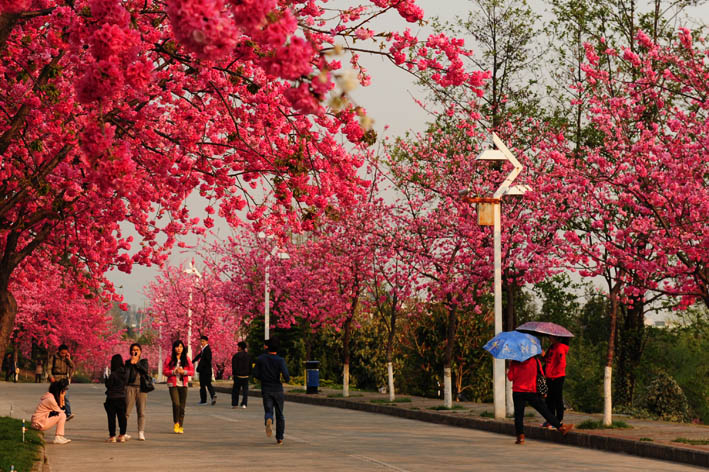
218	438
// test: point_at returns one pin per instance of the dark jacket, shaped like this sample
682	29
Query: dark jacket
241	364
116	384
61	367
134	369
268	370
205	361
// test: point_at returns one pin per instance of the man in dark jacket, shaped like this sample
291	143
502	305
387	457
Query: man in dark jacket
269	368
62	367
240	369
204	369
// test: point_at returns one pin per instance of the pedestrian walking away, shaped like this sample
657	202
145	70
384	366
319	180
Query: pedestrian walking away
62	367
178	369
137	370
241	370
49	412
268	369
10	367
555	371
204	369
523	376
38	371
115	404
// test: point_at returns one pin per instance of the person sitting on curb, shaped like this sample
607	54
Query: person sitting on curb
49	412
523	376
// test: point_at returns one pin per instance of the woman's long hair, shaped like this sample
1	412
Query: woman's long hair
183	357
57	387
116	362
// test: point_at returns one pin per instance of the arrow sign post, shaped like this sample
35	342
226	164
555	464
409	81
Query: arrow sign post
500	153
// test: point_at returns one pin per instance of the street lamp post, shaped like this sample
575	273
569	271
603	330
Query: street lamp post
192	270
501	153
267	287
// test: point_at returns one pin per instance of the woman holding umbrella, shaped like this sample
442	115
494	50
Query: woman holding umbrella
522	350
555	361
523	376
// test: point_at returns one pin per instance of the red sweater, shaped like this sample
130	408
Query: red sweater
173	379
523	375
555	359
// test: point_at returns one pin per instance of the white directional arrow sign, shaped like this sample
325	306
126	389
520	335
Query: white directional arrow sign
502	153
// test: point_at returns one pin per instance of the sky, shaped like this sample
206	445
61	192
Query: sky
388	100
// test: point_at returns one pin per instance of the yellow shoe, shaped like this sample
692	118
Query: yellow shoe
181	430
176	429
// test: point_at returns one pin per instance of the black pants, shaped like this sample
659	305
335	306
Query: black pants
240	385
274	401
555	398
535	401
205	383
116	407
178	395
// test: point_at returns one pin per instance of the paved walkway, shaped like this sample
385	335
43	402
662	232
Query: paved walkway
218	438
657	432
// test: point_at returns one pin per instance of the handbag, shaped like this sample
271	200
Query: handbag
542	387
146	383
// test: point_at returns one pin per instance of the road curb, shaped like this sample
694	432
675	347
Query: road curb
574	438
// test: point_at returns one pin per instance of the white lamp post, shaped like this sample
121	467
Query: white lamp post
501	153
192	270
266	285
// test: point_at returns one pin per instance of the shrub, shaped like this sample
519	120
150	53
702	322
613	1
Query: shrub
665	398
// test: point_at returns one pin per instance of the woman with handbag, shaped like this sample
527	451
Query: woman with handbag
178	368
527	380
139	384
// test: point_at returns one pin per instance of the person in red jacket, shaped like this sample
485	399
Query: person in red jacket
555	361
178	369
523	376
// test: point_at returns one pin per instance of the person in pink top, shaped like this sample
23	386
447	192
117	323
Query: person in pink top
178	369
555	372
49	411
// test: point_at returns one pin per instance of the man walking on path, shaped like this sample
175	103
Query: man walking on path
269	368
204	369
62	367
241	370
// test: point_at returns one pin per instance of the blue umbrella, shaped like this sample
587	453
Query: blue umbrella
513	345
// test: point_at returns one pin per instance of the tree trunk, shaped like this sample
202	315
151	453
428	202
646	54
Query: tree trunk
509	320
629	350
346	356
390	378
8	310
607	379
450	344
390	353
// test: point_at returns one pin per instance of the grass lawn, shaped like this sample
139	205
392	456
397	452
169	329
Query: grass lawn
442	408
396	400
591	424
13	452
693	442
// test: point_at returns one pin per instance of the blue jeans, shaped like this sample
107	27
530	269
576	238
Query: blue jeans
67	406
271	401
